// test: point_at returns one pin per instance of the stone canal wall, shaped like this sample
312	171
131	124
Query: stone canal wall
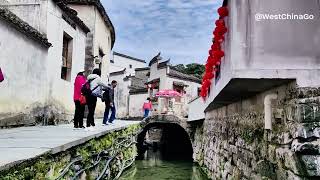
101	158
233	144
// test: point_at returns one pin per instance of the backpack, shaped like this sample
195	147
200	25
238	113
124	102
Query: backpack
105	95
85	89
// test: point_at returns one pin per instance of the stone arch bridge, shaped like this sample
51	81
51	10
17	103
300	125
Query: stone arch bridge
178	133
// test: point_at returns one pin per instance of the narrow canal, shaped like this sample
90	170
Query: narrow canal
153	167
164	153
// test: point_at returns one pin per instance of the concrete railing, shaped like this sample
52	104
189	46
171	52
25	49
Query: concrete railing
164	106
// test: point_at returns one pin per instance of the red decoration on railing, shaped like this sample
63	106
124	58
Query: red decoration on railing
215	53
223	12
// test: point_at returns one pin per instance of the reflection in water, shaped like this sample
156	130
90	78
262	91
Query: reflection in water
154	168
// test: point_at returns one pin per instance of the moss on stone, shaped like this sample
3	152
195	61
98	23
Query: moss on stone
249	134
50	166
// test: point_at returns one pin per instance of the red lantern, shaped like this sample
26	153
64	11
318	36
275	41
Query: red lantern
220	22
210	74
216	46
223	11
219	31
218	53
219	39
210	61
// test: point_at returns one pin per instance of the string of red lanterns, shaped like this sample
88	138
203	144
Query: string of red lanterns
215	53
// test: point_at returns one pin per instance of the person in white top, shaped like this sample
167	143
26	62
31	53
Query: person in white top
96	86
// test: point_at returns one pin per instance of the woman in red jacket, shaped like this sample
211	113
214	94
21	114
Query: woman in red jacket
79	110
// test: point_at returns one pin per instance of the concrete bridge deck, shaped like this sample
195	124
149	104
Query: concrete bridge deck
20	144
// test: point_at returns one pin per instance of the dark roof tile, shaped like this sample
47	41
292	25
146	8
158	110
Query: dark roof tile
23	27
103	13
129	57
72	14
177	74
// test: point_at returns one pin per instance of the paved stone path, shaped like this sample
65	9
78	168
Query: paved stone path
19	144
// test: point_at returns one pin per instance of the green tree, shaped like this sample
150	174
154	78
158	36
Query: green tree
194	69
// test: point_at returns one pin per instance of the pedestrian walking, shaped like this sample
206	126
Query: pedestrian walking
109	102
79	105
147	107
96	86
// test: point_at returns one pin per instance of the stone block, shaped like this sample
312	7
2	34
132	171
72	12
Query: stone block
228	167
291	162
308	112
255	176
272	154
233	149
265	168
307	130
312	147
224	174
311	164
292	176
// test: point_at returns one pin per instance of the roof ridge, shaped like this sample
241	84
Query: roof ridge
127	56
72	14
23	27
102	11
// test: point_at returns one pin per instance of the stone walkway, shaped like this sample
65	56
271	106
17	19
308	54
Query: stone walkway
19	144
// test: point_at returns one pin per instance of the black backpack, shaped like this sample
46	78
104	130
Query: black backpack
105	95
85	89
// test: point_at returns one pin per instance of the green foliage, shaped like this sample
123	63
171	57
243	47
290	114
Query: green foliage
39	168
249	135
194	69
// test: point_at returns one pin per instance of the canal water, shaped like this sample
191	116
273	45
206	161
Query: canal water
154	167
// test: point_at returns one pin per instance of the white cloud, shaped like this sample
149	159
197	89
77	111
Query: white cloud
180	29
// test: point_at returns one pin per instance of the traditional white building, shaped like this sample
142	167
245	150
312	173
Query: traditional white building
274	53
48	73
163	76
22	89
122	61
262	111
100	40
123	70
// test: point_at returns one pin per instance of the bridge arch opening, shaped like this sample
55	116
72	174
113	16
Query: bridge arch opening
172	141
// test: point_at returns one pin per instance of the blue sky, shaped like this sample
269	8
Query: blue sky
180	29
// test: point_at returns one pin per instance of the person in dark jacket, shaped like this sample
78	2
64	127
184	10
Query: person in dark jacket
109	102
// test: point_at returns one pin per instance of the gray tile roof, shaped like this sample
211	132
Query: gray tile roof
155	59
72	14
129	57
103	13
177	74
23	27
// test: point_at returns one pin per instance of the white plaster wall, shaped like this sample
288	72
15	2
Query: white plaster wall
24	64
121	96
136	103
31	11
270	48
123	62
196	110
115	68
61	91
86	13
191	90
159	73
102	39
